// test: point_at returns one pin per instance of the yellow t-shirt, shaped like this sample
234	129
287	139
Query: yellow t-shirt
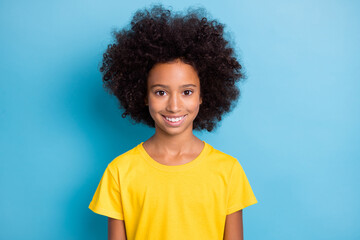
188	201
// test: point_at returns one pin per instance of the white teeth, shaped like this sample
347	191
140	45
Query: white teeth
174	119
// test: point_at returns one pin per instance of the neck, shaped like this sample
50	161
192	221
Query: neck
173	143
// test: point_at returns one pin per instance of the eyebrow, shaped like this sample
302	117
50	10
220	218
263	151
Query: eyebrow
164	86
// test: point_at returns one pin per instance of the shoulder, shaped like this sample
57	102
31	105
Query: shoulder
221	159
125	161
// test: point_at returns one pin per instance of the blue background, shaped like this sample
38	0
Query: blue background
295	129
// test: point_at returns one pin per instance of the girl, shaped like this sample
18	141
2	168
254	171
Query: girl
176	73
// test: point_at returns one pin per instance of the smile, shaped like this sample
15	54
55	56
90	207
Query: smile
177	119
174	121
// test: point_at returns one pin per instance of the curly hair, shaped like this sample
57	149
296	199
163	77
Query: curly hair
159	36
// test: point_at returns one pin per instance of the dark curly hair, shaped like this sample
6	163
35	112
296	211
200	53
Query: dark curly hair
159	36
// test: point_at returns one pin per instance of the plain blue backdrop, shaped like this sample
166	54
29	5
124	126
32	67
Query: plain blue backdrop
295	129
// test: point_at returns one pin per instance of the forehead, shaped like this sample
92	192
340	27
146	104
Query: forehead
173	74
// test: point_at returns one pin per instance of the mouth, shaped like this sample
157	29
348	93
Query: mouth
174	121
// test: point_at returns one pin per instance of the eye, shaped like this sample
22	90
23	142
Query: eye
160	93
188	92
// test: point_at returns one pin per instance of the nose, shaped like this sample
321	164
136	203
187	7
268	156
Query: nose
174	103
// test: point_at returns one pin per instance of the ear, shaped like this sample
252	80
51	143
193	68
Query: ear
146	101
200	100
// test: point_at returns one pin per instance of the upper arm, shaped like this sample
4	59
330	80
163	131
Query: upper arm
116	229
234	226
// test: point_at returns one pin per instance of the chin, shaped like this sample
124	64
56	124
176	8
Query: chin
173	131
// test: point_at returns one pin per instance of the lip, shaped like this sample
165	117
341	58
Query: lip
174	124
174	116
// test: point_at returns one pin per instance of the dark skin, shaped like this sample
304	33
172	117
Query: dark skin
233	228
174	92
116	229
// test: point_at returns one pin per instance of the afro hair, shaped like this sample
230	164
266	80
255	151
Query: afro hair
158	35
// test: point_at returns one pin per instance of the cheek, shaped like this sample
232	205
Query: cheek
194	107
152	112
154	106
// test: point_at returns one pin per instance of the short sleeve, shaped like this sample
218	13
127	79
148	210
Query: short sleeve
240	194
107	198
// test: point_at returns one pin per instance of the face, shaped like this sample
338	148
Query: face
173	97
